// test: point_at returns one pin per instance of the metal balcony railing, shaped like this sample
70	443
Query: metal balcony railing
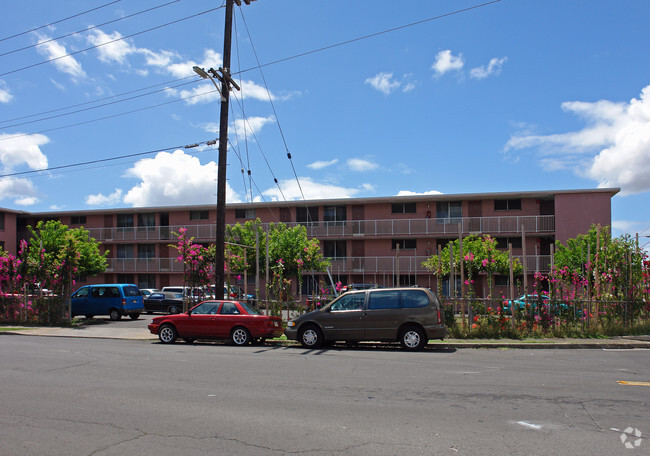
533	224
348	265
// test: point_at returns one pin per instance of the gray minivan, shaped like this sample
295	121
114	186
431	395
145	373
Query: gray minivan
114	300
411	316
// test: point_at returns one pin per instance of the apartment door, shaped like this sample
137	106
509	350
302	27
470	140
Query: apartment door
358	215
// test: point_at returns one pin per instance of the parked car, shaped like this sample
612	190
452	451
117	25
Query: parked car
411	316
147	291
237	321
358	286
115	300
194	295
532	300
164	301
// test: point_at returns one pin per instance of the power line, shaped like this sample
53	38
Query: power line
99	106
104	160
6	138
89	28
111	41
372	35
97	100
60	20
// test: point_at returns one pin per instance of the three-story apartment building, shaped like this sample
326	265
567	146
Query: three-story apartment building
369	240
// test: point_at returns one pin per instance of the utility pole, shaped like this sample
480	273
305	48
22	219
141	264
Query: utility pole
226	81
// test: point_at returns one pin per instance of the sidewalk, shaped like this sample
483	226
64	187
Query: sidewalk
117	332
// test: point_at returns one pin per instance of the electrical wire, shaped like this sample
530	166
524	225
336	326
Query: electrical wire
372	35
111	41
59	21
97	100
6	138
88	29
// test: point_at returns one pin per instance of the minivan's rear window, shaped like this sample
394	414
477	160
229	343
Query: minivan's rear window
131	291
414	298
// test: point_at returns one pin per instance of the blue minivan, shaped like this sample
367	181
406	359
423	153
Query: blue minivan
114	300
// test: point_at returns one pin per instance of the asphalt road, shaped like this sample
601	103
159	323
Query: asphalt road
73	396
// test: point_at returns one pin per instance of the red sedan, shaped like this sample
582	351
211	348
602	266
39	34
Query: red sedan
232	320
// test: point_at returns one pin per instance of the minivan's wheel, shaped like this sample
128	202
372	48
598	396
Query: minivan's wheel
310	336
240	336
167	334
115	315
134	316
413	338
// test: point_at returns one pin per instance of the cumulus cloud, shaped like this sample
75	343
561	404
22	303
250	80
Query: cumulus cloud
16	150
21	191
105	200
176	178
359	164
245	128
320	164
493	68
410	193
5	95
55	50
385	83
312	190
613	148
446	61
111	48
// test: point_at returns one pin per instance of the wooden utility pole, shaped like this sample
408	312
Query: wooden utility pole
226	82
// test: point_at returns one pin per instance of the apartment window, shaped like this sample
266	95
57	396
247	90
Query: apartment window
403	208
78	220
501	281
244	213
449	211
2	245
2	221
507	205
307	214
146	220
125	278
502	242
146	281
334	249
199	215
404	244
146	251
125	220
125	251
334	214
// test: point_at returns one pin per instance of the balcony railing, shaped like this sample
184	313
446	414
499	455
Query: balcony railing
532	224
349	265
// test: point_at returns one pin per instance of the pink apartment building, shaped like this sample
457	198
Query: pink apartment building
369	240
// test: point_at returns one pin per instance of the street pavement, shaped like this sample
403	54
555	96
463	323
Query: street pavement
126	329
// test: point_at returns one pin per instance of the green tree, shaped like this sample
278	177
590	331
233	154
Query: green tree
56	254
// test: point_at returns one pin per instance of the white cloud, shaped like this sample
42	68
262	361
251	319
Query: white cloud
613	149
22	191
410	193
322	164
245	128
55	50
105	200
5	95
172	179
359	164
383	82
494	67
17	150
312	190
115	51
446	61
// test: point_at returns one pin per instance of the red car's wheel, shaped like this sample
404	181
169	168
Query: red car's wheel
240	336
167	334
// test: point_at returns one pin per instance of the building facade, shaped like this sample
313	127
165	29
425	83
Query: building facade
369	240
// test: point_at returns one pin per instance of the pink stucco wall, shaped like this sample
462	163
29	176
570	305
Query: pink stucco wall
576	212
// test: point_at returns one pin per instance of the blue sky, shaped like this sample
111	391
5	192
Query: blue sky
509	96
